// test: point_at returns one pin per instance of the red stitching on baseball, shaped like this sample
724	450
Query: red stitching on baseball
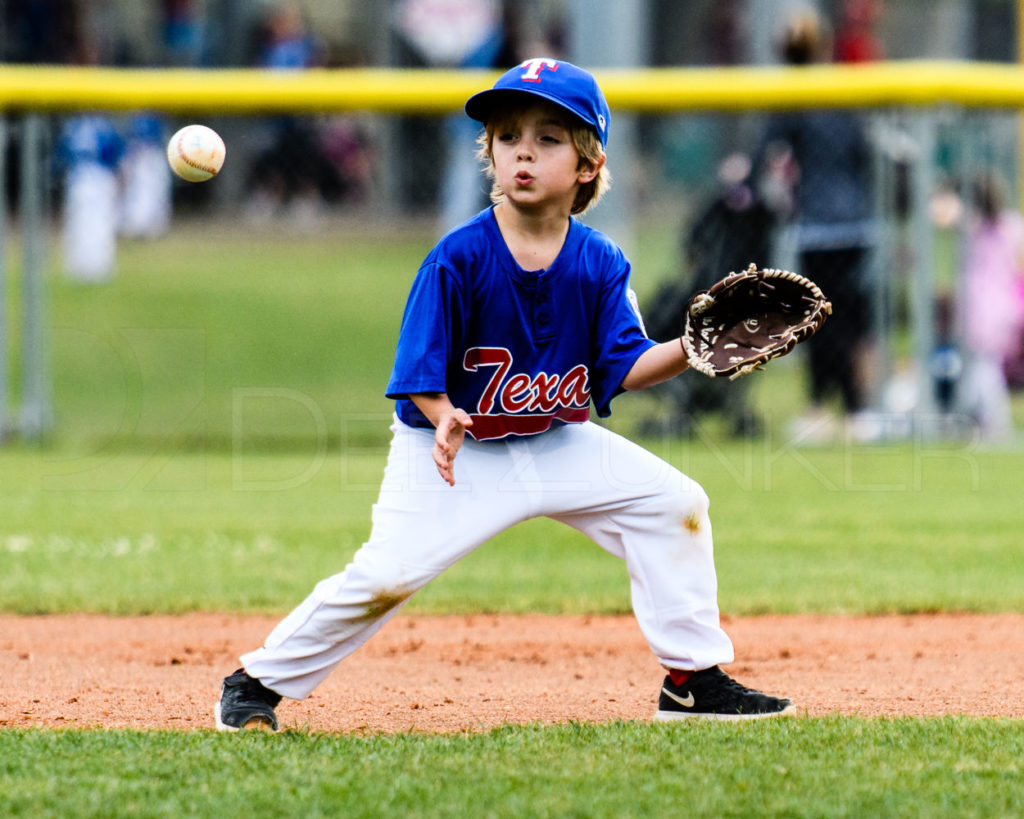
188	161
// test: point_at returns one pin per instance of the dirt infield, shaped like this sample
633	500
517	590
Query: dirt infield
446	674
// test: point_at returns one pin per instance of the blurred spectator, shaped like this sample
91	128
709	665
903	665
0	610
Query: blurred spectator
947	363
181	33
835	229
733	230
348	150
42	31
146	180
89	152
290	170
993	319
723	33
448	33
465	34
36	32
285	41
1015	361
856	40
455	34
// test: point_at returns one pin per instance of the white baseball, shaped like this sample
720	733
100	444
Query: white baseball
196	153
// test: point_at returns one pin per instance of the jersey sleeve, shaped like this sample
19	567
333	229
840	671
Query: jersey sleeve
618	339
426	339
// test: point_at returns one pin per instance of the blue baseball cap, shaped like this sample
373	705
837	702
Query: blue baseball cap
557	81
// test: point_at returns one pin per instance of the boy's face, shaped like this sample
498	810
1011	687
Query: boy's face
535	161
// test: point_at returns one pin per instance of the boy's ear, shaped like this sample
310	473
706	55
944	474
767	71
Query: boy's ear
589	170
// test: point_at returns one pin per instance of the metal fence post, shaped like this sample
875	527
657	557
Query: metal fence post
922	284
4	421
37	399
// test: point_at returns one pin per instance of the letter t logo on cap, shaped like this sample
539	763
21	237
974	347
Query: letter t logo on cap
534	66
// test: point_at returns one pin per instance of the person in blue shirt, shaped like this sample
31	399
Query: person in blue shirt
89	154
519	323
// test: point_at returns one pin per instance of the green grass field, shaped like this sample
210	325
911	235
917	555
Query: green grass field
220	434
827	767
898	530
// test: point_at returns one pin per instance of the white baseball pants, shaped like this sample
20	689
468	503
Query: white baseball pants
629	501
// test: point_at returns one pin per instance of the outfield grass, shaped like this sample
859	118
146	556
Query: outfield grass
248	341
827	767
891	530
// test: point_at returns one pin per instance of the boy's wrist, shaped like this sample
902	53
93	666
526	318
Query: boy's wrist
433	405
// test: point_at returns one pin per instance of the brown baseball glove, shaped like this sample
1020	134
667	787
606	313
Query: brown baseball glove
749	318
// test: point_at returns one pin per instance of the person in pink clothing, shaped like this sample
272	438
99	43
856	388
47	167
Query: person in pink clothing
992	311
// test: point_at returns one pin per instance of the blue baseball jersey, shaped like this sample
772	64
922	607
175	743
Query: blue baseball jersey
519	350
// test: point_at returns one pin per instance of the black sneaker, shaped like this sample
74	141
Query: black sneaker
246	703
713	694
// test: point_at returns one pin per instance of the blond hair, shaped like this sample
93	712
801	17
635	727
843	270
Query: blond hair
584	139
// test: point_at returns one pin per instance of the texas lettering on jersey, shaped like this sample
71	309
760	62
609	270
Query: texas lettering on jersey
519	404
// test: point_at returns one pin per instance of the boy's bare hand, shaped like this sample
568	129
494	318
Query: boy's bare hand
448	438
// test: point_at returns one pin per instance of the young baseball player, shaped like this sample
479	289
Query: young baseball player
519	321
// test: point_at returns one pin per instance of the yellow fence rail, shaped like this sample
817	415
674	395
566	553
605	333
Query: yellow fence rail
653	90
